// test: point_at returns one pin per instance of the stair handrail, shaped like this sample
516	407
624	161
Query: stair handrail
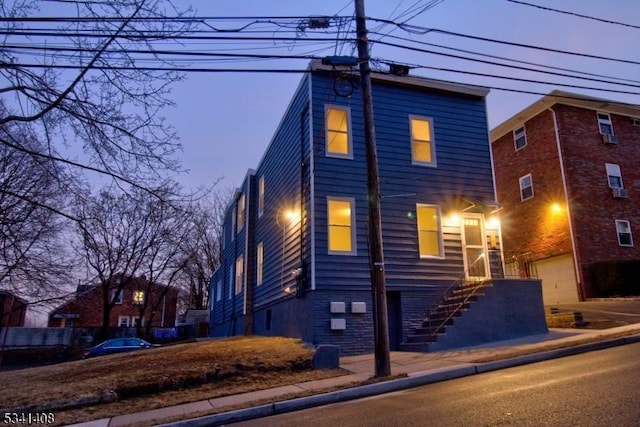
458	284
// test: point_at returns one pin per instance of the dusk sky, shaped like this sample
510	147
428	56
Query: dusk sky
226	120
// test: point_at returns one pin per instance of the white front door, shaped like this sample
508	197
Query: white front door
474	247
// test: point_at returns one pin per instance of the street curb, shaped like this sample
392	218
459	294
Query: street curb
368	390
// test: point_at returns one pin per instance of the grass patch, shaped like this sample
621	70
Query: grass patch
158	377
560	320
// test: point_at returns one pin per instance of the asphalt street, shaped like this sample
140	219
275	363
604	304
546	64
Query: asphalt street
599	388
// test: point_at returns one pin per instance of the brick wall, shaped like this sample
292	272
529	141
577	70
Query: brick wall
594	209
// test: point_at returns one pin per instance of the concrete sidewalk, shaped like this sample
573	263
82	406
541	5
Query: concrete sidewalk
420	369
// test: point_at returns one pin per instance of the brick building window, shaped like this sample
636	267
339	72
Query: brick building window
614	176
623	228
123	321
117	296
526	187
138	297
519	138
604	123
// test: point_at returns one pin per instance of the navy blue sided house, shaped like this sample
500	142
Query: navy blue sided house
295	255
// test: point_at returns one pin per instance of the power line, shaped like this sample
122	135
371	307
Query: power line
606	21
423	30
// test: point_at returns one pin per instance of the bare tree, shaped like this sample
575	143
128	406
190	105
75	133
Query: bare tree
78	86
127	235
73	103
33	262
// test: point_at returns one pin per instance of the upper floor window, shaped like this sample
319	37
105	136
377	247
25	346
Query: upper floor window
429	237
604	123
241	211
526	187
614	176
260	196
123	321
230	287
422	144
138	297
623	228
519	138
233	223
338	134
341	224
117	296
260	264
239	282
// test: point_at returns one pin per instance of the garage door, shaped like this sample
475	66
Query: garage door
558	280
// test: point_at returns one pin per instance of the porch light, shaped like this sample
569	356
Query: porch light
493	223
453	220
556	208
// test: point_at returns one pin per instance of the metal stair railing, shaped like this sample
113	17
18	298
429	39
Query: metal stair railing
451	310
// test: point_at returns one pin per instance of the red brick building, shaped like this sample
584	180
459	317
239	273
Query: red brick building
13	310
568	179
129	296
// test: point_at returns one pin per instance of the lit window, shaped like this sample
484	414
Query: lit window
241	211
623	228
422	146
123	321
341	217
519	138
260	264
526	187
614	177
604	123
338	135
138	297
429	238
239	274
261	196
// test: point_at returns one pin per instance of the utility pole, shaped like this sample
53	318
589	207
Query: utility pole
376	255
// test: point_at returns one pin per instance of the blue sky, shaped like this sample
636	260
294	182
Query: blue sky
226	120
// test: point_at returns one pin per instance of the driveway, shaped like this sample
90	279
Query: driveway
603	314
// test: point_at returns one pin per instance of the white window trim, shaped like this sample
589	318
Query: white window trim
515	138
233	223
261	196
117	295
260	264
231	281
439	231
241	211
618	231
354	249
328	153
520	180
127	319
218	290
133	321
239	276
606	121
432	142
613	169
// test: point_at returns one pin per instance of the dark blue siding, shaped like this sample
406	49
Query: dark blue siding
463	169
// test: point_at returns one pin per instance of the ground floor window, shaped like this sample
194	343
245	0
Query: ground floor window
623	228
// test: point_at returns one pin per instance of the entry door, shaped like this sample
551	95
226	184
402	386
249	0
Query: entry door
474	247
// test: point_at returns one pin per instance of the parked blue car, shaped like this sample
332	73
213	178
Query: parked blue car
117	345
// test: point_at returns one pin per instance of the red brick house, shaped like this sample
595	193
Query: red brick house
130	295
568	179
13	310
